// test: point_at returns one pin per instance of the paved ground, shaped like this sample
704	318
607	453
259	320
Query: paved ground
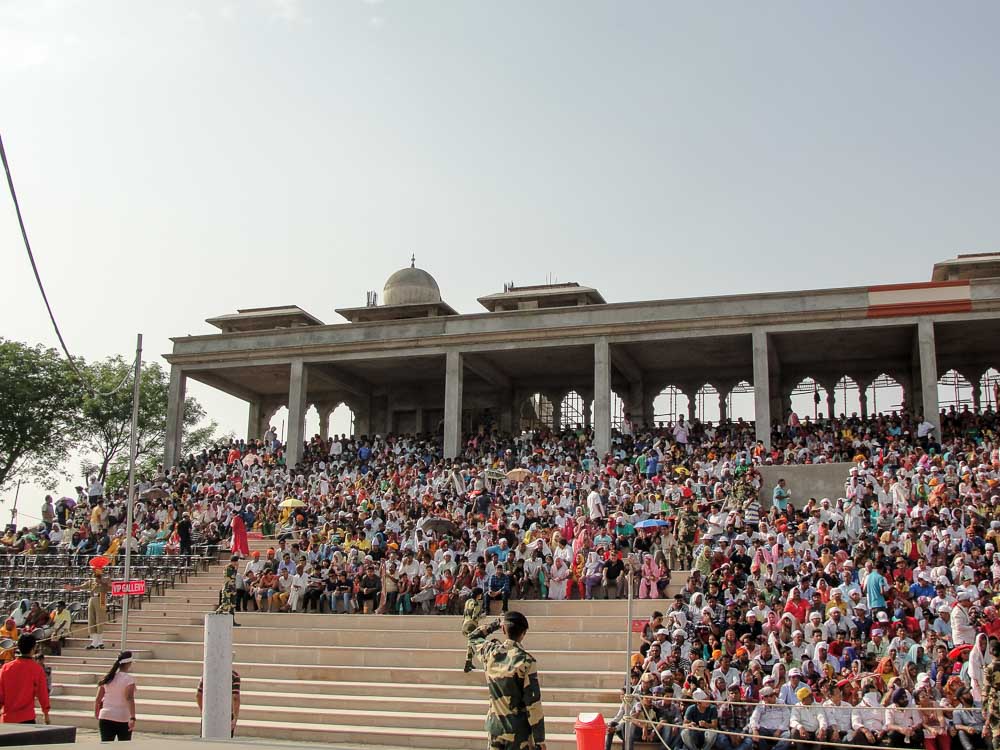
89	738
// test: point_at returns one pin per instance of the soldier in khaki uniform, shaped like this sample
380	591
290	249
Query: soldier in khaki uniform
991	696
515	720
473	610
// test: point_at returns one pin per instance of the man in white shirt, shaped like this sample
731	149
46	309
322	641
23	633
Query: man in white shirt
595	506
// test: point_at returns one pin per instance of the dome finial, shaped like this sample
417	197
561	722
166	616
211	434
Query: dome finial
413	260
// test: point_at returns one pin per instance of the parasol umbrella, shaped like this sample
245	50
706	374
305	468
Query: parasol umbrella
69	502
440	526
153	493
518	475
651	523
99	562
291	502
251	458
959	650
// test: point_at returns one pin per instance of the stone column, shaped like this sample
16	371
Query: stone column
298	404
929	374
831	400
325	410
692	397
217	669
254	419
454	376
863	401
648	411
723	406
556	400
602	397
977	394
761	388
419	421
175	417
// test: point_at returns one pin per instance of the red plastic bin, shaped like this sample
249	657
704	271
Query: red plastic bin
590	732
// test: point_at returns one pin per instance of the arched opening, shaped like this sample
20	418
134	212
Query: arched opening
884	395
741	402
847	398
342	421
989	388
670	405
617	411
706	404
954	391
809	399
576	411
536	412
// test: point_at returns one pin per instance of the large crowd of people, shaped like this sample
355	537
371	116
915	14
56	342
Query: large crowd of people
865	616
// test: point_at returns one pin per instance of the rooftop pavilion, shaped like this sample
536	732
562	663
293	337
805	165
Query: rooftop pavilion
414	364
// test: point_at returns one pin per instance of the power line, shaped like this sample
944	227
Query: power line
45	298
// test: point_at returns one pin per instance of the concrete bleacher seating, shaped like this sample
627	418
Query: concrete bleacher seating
356	679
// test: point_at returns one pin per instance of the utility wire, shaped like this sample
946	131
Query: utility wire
45	298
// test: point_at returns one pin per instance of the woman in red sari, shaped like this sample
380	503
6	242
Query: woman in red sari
445	588
240	545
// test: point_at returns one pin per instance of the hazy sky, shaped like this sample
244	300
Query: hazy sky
177	160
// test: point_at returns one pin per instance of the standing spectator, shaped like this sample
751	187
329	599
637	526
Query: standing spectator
114	707
22	681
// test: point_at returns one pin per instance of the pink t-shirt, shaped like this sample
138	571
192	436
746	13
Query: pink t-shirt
115	706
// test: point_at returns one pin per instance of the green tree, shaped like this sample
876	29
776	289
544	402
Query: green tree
40	399
106	421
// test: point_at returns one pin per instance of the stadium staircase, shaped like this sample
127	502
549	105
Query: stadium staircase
375	680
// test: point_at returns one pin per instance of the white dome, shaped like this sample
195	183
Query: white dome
410	286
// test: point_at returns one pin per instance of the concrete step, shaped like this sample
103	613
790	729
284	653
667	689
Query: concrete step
475	705
294	713
84	680
437	739
562	678
384	656
399	638
164	620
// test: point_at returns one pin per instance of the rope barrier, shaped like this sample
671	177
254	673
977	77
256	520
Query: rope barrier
635	697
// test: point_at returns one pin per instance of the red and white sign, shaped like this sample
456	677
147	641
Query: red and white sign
639	625
129	588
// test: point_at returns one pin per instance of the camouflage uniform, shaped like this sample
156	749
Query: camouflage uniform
991	701
515	720
227	598
470	621
687	526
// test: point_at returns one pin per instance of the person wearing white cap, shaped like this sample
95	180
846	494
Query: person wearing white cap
963	632
701	723
769	722
787	693
115	704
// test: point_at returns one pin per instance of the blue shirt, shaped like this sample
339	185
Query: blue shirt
873	589
501	552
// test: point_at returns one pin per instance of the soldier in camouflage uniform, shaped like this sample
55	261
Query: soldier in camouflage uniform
991	696
470	621
687	527
515	720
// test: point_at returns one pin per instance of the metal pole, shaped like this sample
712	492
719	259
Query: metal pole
130	500
13	510
628	629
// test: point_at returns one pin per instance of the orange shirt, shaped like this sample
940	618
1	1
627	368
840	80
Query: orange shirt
21	681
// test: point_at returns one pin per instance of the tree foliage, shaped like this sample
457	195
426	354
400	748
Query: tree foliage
40	401
106	422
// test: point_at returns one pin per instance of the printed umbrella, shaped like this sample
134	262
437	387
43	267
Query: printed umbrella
518	475
291	502
651	523
440	526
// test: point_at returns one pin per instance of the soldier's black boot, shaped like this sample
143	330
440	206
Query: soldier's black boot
468	665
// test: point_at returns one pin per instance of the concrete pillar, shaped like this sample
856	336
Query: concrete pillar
254	420
929	374
453	381
761	388
217	698
977	395
648	411
175	417
831	399
556	400
723	406
298	404
692	397
325	410
863	402
602	397
419	421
